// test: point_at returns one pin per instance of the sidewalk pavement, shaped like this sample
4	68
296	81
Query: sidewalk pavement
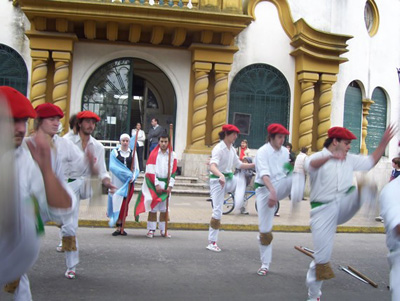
194	213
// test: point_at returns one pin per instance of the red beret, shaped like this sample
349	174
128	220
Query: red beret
276	128
341	133
19	105
47	110
230	128
88	115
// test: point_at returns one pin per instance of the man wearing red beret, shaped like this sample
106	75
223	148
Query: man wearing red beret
334	200
75	166
222	162
94	150
272	184
38	191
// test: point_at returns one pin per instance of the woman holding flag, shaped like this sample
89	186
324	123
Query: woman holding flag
122	177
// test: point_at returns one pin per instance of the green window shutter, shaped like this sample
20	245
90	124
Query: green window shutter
259	95
376	120
352	118
13	71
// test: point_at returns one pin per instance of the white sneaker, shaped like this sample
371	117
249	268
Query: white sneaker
213	247
314	299
70	274
59	248
150	234
162	233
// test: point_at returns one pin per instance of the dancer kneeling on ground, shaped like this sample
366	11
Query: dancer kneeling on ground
272	184
223	160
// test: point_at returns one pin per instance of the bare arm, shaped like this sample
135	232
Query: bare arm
380	150
247	166
56	195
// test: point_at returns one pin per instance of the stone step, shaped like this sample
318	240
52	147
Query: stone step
180	179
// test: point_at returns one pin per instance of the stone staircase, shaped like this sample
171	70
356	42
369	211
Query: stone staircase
183	186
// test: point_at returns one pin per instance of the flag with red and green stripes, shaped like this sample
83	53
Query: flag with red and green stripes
148	198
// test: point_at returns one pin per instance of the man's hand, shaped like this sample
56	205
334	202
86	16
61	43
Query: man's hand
273	199
92	160
158	189
39	147
107	183
169	189
339	155
222	181
397	228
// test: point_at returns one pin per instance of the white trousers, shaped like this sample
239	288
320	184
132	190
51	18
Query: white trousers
161	207
266	214
394	262
70	226
23	291
240	190
324	221
217	195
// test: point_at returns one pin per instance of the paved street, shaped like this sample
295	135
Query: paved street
138	268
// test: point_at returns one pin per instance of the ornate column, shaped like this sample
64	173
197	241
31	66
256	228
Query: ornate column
307	82
325	108
202	71
366	104
39	77
61	82
220	99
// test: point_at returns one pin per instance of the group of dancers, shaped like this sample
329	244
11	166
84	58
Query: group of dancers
49	174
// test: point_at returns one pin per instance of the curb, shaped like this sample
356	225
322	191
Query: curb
231	227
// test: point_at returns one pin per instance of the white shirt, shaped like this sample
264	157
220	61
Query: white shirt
98	152
390	212
141	137
162	168
19	246
225	159
299	163
271	162
72	158
335	176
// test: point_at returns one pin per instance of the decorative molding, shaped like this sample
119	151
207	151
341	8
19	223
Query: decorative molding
206	36
366	105
325	108
307	83
220	104
157	35
89	28
201	74
112	31
62	25
179	36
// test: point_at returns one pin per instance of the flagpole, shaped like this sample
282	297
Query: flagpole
131	185
169	175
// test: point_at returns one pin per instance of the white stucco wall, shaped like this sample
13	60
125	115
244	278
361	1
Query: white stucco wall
13	25
176	64
265	41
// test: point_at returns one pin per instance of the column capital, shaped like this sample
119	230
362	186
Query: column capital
223	68
367	102
328	78
308	77
61	56
40	54
202	66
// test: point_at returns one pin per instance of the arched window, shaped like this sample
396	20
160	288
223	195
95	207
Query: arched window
352	118
13	71
376	120
259	95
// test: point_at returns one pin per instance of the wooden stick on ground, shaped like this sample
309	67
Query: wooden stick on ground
304	251
359	274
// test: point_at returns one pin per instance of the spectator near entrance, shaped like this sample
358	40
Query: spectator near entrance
154	134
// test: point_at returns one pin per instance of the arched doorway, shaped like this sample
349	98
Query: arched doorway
259	95
13	71
126	91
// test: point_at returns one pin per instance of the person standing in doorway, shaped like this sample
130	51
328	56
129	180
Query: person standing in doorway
154	134
140	143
